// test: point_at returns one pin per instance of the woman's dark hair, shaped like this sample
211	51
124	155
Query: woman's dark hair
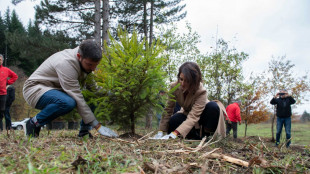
90	49
192	74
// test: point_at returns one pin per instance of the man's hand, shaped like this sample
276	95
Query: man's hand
172	135
158	136
106	131
276	96
239	122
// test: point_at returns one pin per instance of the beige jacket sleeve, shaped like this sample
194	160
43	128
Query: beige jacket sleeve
198	105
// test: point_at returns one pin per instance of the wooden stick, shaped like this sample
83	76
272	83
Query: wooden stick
141	170
208	153
263	144
229	159
145	136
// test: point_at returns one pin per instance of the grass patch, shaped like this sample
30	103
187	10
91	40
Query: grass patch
300	132
63	152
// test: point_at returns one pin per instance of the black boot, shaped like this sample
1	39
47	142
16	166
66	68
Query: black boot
31	129
82	133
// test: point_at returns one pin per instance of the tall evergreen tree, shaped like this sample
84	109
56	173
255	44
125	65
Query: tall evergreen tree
143	15
14	25
74	16
2	36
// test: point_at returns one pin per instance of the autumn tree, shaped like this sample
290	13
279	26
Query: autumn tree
281	76
253	108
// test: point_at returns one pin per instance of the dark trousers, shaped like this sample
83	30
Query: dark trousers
8	122
2	108
208	120
234	127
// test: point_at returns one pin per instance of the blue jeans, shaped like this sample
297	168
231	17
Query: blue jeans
53	104
287	125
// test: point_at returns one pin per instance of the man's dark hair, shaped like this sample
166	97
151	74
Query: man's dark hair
90	49
192	74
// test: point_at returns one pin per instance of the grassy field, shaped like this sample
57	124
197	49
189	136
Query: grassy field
300	132
62	151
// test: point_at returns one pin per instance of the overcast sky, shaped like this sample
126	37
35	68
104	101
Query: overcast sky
261	28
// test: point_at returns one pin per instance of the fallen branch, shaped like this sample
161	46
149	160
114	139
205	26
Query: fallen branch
147	135
228	159
168	151
285	143
208	153
141	170
263	144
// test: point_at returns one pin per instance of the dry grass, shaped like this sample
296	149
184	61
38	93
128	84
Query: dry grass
63	152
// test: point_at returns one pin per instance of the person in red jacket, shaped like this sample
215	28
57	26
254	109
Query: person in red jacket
233	112
7	76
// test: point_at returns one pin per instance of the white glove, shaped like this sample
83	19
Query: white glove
171	135
106	131
158	135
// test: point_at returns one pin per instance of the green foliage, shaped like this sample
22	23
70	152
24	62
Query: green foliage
131	14
179	48
74	16
305	117
27	49
133	76
33	49
223	72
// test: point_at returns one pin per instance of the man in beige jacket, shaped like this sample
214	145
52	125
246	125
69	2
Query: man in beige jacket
55	88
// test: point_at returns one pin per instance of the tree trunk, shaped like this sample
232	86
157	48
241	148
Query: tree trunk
148	119
246	121
132	122
97	34
151	22
145	20
105	23
246	128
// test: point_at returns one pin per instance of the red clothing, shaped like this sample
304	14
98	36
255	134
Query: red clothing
4	74
233	112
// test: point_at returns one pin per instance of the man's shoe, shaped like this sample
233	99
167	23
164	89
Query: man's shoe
37	131
85	132
30	128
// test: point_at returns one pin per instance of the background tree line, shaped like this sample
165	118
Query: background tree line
63	24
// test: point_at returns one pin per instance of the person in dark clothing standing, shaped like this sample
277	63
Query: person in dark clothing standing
283	102
10	97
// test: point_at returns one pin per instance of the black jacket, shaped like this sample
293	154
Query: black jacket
283	106
10	96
